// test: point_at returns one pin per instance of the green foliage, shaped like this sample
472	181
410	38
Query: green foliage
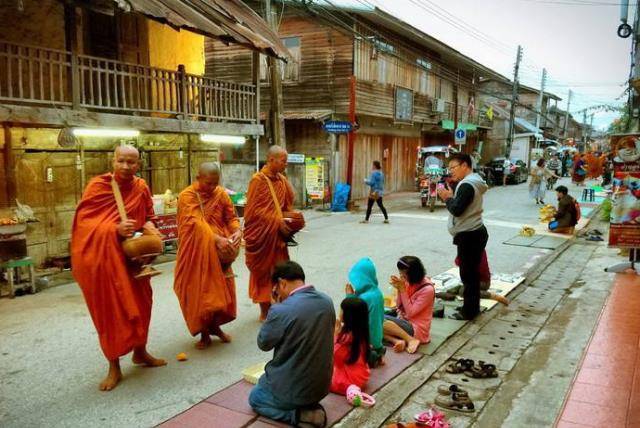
621	124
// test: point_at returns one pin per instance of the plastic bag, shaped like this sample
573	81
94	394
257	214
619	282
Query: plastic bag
24	213
340	197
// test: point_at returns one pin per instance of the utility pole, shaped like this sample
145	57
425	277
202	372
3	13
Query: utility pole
584	122
541	97
276	116
514	98
566	116
591	125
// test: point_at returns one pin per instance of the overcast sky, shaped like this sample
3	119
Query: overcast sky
575	40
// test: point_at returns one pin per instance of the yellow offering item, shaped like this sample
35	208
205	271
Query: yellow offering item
527	231
252	374
181	356
389	301
547	213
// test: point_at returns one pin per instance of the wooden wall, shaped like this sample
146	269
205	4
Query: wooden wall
325	66
398	166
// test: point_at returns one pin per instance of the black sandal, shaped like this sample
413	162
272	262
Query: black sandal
482	371
455	402
460	366
446	390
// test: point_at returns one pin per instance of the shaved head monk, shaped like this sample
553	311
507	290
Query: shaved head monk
209	235
119	304
264	226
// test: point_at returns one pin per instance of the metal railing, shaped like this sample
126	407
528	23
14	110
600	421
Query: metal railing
42	76
477	117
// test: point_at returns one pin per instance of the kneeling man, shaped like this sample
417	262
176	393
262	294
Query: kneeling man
566	216
300	331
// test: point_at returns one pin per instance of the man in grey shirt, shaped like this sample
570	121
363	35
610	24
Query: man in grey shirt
300	331
467	228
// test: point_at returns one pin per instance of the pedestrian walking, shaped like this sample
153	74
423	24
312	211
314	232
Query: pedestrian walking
506	170
537	184
376	185
467	228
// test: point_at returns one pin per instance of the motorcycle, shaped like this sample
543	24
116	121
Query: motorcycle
429	186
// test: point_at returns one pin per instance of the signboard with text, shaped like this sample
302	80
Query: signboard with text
295	158
624	227
338	127
314	177
167	225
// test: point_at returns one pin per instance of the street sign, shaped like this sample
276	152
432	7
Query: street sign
338	127
295	158
461	136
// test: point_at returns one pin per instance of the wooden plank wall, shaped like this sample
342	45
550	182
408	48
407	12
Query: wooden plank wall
399	166
325	66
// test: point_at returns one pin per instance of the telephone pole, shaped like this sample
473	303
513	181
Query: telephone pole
276	114
514	98
541	97
566	116
584	123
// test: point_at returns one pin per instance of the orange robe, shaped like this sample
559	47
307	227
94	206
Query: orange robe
206	291
119	304
265	248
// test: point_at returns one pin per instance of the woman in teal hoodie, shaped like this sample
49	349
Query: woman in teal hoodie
363	283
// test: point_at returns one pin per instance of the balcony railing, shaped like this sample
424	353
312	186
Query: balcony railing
39	76
477	117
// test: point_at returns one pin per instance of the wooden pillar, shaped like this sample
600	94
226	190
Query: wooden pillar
255	79
71	35
182	91
9	165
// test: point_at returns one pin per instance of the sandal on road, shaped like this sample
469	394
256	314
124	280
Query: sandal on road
455	402
460	366
482	371
450	389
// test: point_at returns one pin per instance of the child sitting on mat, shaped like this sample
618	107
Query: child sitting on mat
416	295
363	283
351	346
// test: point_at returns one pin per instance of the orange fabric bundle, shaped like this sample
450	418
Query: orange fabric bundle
120	305
205	288
264	246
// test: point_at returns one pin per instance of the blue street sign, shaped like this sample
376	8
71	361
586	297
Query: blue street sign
338	127
461	136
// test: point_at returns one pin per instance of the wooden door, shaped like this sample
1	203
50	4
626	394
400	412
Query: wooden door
132	39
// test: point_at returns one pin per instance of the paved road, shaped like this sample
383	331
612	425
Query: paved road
50	362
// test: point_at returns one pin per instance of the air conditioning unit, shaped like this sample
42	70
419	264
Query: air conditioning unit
438	105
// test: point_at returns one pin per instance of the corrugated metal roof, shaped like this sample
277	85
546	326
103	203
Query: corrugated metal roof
231	21
304	115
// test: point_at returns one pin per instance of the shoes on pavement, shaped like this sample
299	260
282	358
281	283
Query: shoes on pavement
292	243
364	221
386	221
457	316
594	238
450	389
595	232
456	402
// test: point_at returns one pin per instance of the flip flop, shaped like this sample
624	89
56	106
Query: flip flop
482	371
446	390
460	366
432	418
357	398
455	402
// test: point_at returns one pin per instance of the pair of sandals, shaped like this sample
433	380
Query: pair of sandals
470	369
453	397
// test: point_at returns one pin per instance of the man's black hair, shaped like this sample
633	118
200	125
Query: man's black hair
461	158
289	270
562	189
377	164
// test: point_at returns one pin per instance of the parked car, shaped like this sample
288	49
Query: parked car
494	171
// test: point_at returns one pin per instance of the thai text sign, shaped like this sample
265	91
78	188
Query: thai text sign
624	229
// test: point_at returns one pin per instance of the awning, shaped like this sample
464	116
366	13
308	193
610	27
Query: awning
231	21
448	124
319	115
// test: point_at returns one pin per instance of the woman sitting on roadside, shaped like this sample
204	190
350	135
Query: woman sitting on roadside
416	295
351	346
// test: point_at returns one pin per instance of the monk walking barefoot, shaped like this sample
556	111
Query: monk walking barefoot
265	231
119	304
209	234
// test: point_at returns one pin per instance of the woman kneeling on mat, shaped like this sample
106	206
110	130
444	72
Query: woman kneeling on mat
416	295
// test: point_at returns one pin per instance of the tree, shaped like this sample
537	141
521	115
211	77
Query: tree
621	124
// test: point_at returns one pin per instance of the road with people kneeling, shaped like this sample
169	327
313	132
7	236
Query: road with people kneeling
51	362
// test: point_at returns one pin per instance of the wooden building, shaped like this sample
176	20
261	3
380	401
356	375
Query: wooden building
125	72
400	87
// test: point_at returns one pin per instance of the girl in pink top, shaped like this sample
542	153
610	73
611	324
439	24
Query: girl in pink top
416	295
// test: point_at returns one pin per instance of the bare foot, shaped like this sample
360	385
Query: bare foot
399	345
113	377
204	342
144	358
224	337
501	299
412	346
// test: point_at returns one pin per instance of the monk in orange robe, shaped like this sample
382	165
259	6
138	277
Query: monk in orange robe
264	227
208	228
119	304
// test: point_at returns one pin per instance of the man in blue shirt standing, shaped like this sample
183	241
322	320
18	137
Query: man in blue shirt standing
299	328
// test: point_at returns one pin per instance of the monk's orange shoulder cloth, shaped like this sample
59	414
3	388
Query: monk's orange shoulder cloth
264	246
205	291
120	305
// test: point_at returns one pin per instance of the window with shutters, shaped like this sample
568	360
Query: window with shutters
291	69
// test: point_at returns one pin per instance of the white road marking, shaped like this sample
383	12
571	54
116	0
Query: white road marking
488	222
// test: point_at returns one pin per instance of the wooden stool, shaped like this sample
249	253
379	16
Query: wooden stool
14	275
588	194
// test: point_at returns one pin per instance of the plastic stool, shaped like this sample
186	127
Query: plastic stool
13	268
588	194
